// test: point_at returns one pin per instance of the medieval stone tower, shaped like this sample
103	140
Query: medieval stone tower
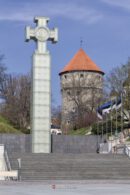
81	88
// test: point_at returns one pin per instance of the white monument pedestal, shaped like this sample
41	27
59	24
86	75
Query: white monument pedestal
41	90
41	113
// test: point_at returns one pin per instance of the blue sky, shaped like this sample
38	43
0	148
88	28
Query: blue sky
104	26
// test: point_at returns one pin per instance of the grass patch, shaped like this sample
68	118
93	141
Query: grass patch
128	140
6	127
82	131
3	120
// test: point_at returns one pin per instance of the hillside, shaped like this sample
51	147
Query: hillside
82	131
6	127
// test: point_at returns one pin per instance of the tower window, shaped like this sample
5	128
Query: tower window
73	109
65	76
68	92
81	75
99	77
78	92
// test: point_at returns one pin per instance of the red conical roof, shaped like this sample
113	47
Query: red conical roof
81	62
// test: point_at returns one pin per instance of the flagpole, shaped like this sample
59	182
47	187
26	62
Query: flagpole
97	134
111	124
122	112
102	131
111	119
106	127
116	116
116	126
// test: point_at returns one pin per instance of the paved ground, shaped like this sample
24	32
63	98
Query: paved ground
65	188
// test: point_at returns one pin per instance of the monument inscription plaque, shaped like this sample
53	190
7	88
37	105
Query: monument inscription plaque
41	85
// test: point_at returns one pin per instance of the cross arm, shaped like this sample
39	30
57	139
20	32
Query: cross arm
30	33
41	21
54	35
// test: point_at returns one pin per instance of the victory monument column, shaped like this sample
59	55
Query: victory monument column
41	81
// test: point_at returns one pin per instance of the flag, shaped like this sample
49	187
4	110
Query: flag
113	104
108	106
118	103
99	113
126	115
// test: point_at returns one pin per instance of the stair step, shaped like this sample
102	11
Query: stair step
71	166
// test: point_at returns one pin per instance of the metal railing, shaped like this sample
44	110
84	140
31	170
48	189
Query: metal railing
8	165
10	174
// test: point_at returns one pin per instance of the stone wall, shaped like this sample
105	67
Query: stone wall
60	143
75	144
16	143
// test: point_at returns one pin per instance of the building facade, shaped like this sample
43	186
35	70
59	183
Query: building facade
81	88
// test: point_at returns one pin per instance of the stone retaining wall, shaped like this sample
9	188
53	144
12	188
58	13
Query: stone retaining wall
60	143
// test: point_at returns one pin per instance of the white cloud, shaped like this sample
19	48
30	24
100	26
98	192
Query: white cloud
71	11
125	4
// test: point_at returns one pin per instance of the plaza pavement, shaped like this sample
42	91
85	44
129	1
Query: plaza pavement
66	188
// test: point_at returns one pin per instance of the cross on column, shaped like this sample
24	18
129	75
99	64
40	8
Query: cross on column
41	33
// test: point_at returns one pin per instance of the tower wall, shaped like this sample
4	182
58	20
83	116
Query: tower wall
81	92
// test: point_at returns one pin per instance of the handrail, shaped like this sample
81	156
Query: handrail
7	161
8	174
127	150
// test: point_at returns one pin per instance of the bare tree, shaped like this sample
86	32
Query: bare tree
56	115
16	96
116	78
118	84
3	73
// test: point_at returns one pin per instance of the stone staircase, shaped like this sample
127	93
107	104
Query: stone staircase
71	166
